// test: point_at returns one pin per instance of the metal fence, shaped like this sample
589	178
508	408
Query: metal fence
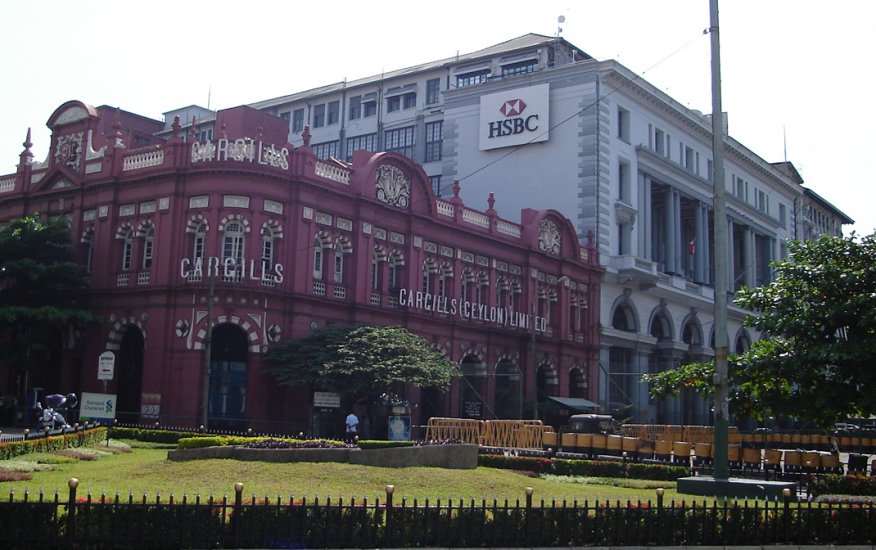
102	522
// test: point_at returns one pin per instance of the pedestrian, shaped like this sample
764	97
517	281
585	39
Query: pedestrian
352	427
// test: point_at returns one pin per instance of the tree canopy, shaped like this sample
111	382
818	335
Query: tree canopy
817	318
364	360
38	280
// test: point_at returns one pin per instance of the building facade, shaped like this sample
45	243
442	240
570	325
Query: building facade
234	240
539	122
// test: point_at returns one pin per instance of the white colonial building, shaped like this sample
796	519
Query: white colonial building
543	125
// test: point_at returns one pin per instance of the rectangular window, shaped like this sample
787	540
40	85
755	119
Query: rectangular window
623	182
433	90
319	115
287	116
659	142
334	110
400	141
147	252
433	141
688	158
783	216
472	78
369	108
355	107
763	202
435	182
326	150
521	67
360	143
623	124
393	104
298	120
409	101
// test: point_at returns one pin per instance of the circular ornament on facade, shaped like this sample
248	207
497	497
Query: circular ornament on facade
274	333
182	328
393	187
548	237
144	317
313	325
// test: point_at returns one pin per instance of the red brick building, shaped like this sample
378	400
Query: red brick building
291	243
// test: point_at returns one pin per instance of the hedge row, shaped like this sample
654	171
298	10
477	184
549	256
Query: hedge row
587	468
836	484
83	438
151	435
380	444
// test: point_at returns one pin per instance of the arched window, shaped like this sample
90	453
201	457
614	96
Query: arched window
338	264
376	258
232	243
127	249
320	242
501	292
148	243
466	284
483	284
88	243
200	238
396	262
430	271
267	249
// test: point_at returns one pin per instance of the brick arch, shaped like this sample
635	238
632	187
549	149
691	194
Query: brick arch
346	245
506	357
275	227
249	328
382	256
235	218
195	221
87	235
474	353
323	239
123	230
144	226
114	338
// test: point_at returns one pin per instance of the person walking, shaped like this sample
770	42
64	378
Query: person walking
352	427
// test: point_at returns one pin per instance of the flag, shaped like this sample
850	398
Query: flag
692	245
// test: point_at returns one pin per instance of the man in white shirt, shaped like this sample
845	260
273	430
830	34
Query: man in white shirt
352	426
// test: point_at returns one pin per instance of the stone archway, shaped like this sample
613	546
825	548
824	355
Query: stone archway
129	374
228	376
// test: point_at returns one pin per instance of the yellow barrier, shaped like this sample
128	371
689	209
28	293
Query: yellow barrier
703	450
464	429
750	455
549	439
584	442
772	457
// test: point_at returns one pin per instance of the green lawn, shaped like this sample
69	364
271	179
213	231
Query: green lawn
147	471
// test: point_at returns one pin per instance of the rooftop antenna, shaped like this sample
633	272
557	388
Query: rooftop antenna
209	93
785	141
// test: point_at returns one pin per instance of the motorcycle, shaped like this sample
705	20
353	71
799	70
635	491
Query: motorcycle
51	415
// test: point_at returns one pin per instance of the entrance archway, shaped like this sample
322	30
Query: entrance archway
472	387
509	388
228	377
129	375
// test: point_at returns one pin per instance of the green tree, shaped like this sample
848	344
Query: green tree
817	318
367	360
38	284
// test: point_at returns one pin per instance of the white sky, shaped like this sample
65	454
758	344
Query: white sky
794	71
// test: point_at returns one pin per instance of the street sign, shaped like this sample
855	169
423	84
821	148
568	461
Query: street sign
106	365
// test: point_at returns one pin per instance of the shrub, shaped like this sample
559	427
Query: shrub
6	475
835	484
151	435
584	468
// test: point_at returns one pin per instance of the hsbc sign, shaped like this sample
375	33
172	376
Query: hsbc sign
514	117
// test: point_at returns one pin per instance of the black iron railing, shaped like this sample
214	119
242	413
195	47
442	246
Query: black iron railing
114	522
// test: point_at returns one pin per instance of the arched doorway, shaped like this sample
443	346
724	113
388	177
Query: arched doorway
129	375
228	377
472	387
546	383
509	387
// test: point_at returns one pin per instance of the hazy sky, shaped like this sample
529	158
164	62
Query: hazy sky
796	73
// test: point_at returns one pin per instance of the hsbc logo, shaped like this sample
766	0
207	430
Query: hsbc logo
513	107
514	122
513	117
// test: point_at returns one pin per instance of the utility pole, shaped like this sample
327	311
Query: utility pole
721	254
208	343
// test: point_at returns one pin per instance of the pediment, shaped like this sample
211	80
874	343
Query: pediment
58	179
